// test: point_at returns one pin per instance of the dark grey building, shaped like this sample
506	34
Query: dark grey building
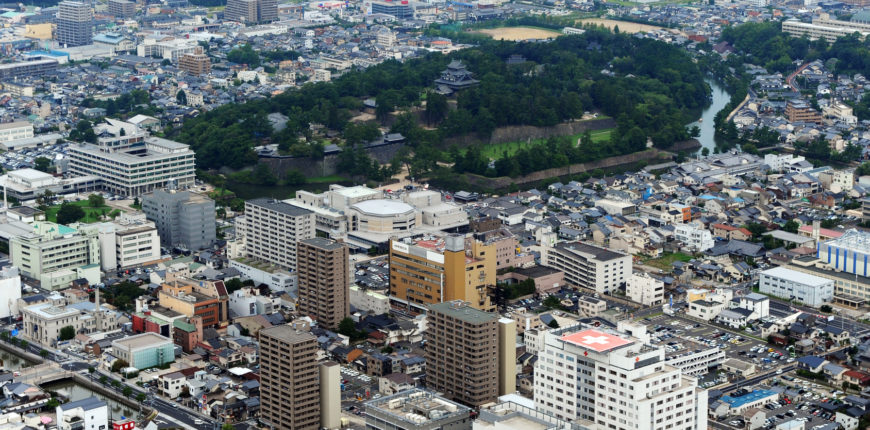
183	218
122	8
251	11
75	23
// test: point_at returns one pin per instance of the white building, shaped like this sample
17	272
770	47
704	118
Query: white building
643	288
706	310
849	253
782	162
247	302
276	278
137	167
15	130
588	266
616	382
759	304
272	228
10	291
86	414
793	285
369	301
696	361
695	237
130	241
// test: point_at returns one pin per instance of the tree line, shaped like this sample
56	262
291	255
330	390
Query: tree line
649	87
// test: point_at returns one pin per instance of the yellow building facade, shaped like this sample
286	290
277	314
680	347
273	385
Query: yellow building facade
441	269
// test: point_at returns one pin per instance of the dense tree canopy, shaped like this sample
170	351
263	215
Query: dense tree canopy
648	87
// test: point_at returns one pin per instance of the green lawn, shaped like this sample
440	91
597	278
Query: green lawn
497	150
664	262
91	214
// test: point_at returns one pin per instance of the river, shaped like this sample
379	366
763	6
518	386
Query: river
75	392
719	100
67	388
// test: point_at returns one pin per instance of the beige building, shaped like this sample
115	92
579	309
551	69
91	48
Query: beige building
289	393
462	353
15	131
644	289
43	322
323	270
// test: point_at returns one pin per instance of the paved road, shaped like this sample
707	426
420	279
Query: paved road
757	378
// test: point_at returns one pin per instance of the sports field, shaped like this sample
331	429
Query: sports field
520	33
624	26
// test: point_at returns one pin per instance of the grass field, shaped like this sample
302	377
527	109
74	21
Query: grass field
664	262
496	150
520	33
91	214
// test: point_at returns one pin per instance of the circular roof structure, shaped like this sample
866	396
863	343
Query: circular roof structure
383	207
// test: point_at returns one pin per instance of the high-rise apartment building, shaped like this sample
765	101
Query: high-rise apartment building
323	270
289	378
433	269
122	8
75	23
272	229
462	353
183	218
251	11
196	63
611	380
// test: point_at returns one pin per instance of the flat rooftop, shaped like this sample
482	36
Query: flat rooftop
323	243
796	277
417	406
279	206
463	312
287	333
600	254
143	340
595	340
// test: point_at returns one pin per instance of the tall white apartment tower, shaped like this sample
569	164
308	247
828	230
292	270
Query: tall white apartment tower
614	381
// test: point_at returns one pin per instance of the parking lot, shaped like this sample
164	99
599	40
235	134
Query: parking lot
373	274
356	388
812	413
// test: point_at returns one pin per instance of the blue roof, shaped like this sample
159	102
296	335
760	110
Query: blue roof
736	402
811	361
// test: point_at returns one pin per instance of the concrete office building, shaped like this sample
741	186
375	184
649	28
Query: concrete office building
417	409
15	130
272	228
75	24
28	184
323	270
793	285
129	241
588	266
135	168
10	71
435	269
462	353
10	291
613	380
289	379
144	350
183	219
53	247
825	27
122	8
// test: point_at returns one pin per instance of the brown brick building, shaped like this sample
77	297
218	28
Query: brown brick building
196	63
462	353
290	385
323	271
